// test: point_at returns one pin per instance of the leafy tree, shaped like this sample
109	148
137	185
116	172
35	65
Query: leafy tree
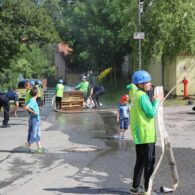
98	33
23	24
102	31
33	62
169	28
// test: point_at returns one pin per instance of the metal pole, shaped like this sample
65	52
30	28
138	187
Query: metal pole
139	30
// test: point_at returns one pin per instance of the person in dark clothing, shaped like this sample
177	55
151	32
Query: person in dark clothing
4	102
95	92
151	93
12	94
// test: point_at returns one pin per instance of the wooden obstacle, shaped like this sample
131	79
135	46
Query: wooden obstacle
72	100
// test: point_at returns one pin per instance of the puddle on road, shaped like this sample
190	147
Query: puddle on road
83	149
91	129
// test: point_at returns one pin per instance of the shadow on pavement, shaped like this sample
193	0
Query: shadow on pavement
20	149
89	190
190	112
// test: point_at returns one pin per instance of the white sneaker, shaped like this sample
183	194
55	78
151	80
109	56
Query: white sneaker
116	137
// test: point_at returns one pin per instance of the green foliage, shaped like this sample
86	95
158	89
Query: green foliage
98	36
23	22
102	31
31	63
112	97
25	30
169	27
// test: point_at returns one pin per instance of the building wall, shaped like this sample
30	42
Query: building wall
155	69
174	71
169	73
185	68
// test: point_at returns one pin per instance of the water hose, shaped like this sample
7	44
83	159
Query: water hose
166	145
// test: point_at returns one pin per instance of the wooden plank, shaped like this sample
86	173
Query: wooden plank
72	100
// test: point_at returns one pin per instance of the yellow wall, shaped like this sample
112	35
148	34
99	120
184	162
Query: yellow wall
185	67
169	73
155	69
172	71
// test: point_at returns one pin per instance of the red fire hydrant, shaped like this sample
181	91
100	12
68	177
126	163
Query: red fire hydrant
185	83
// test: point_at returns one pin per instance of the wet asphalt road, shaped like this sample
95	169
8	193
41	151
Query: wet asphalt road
107	170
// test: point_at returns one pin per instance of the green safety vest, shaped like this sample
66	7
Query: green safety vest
142	113
59	91
27	97
83	86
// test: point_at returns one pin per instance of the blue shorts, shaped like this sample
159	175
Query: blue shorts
124	123
34	132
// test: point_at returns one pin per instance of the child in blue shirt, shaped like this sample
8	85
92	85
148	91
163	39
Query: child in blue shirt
34	121
123	117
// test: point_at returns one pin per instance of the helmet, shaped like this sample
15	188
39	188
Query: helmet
39	82
141	76
83	77
32	83
60	81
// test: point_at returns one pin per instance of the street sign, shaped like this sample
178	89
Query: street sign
139	35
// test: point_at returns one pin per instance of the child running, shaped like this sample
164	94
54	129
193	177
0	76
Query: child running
34	121
123	117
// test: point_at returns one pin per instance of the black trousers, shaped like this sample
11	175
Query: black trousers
96	96
145	160
58	102
4	102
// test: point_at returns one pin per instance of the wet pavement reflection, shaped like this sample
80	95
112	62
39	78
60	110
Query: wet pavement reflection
89	147
117	157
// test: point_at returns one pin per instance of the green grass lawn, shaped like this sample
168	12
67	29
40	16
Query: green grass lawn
175	102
